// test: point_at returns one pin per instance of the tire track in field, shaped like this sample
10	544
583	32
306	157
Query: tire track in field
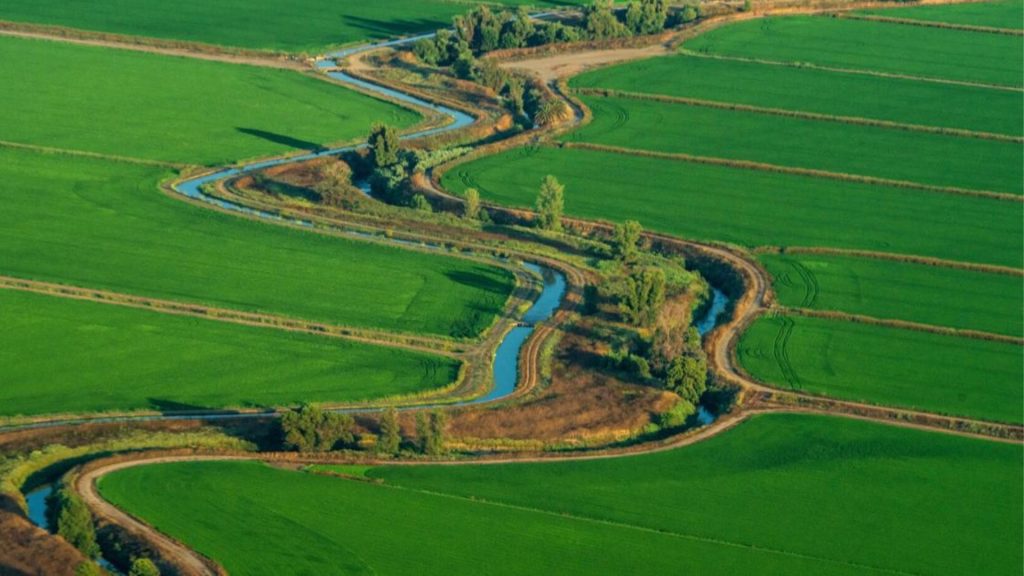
780	351
811	287
933	24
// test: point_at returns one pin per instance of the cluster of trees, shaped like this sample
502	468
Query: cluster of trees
310	429
430	432
73	521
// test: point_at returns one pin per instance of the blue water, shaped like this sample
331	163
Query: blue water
718	303
36	501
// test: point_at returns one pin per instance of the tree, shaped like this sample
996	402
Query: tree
430	430
515	91
626	239
74	523
334	182
471	205
426	50
687	376
643	294
600	22
550	204
517	30
143	567
689	14
310	429
390	438
384	145
549	112
420	202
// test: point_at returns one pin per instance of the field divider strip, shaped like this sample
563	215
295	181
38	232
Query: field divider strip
910	258
860	71
646	529
436	346
932	24
609	93
97	155
901	324
810	172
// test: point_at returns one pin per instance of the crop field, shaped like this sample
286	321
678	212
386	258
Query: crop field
293	26
817	91
172	109
995	14
116	358
103	224
864	45
881	365
934	159
760	495
900	290
753	207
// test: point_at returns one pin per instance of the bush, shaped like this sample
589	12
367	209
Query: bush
74	521
310	429
143	567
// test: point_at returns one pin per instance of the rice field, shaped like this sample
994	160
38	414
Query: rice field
891	366
103	224
297	26
934	295
755	499
932	159
113	358
753	208
173	109
944	54
992	13
817	91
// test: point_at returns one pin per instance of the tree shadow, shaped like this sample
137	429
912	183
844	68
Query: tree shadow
477	280
170	406
283	140
394	27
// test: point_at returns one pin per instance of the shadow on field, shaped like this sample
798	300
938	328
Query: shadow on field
476	280
395	27
282	139
170	406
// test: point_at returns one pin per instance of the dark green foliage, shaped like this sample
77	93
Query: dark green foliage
430	431
390	437
426	50
143	567
687	375
688	14
641	295
600	22
646	16
384	145
471	206
310	429
550	204
626	240
73	521
420	202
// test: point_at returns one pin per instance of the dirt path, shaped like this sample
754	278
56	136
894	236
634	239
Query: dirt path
153	47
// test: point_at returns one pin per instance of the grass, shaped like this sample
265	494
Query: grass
993	13
862	150
752	207
173	109
900	290
864	45
891	366
104	224
818	91
115	358
295	26
759	499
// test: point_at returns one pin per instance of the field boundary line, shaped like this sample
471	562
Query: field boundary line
900	324
792	170
437	346
907	258
610	93
860	71
182	48
932	24
96	155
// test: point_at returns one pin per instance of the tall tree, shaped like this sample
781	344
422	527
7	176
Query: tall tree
384	145
471	205
550	204
390	438
310	429
626	240
643	295
438	425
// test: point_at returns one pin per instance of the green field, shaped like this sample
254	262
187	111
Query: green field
293	26
995	14
818	91
881	365
172	109
754	207
864	45
900	290
781	494
115	358
105	225
860	150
